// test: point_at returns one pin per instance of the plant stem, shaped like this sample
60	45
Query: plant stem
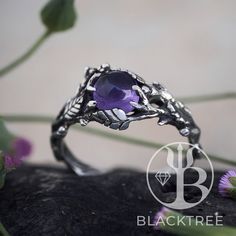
207	98
98	132
25	56
3	231
186	227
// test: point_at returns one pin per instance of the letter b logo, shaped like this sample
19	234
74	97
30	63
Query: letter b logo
173	181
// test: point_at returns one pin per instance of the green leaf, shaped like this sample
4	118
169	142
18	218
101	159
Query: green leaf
59	15
3	231
232	180
1	161
5	137
2	171
187	227
2	178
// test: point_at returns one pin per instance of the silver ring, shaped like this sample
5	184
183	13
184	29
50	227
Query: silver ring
115	98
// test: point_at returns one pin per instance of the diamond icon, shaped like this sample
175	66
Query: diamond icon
162	177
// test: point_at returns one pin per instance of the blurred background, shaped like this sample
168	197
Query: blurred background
187	45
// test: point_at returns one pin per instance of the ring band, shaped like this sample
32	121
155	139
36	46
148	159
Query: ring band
115	98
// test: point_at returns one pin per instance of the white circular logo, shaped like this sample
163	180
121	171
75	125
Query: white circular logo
170	186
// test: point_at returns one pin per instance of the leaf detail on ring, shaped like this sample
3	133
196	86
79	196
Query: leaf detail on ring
72	108
115	118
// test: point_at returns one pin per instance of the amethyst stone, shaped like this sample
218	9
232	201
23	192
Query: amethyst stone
114	90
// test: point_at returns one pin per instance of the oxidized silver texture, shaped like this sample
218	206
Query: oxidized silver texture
155	101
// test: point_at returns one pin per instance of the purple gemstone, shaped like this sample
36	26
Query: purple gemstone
114	90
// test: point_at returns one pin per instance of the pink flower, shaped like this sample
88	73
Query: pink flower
160	217
227	184
20	148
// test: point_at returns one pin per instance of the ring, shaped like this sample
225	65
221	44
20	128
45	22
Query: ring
115	98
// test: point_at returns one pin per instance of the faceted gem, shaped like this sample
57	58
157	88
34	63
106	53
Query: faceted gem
114	90
162	177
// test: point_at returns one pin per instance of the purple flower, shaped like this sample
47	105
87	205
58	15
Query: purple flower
11	162
227	184
20	148
160	217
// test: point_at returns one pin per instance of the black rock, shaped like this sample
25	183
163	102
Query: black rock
40	200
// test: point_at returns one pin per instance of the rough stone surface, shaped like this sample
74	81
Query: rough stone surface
40	200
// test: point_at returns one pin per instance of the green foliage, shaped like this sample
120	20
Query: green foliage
232	190
5	137
232	180
2	171
192	228
2	178
59	15
3	231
